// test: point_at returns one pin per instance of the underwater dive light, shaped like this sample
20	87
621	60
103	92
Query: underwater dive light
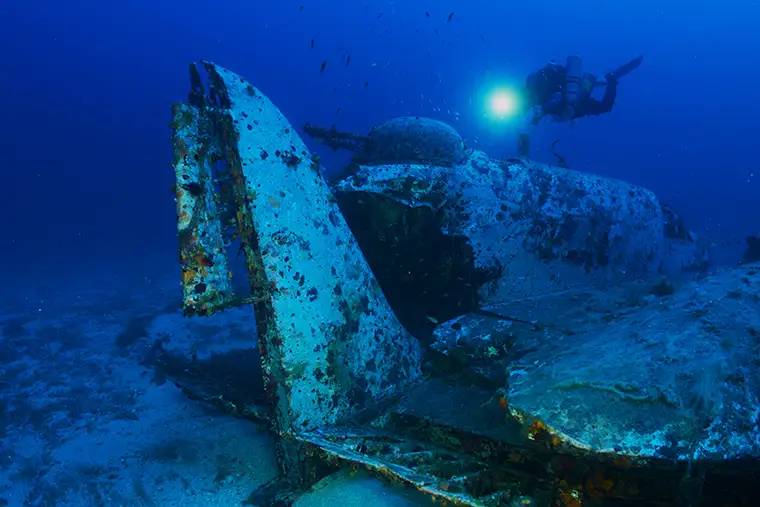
503	104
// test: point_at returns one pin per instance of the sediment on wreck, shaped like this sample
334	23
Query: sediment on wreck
205	267
669	377
485	231
331	346
575	402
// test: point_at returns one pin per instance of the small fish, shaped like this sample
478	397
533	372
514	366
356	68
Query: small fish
348	60
323	67
337	112
380	15
366	84
312	43
300	9
335	89
427	14
451	16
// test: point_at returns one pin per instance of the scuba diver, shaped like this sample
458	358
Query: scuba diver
563	92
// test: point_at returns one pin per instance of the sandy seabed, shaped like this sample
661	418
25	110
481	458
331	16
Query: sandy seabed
86	422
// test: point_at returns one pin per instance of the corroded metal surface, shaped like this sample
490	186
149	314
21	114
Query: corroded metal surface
672	377
581	397
523	228
440	473
332	347
414	139
405	140
206	285
454	465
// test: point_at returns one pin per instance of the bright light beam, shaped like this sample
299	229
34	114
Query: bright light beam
503	103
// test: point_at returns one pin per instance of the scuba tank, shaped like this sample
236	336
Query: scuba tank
573	85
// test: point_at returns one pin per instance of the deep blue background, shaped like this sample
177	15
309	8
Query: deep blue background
86	89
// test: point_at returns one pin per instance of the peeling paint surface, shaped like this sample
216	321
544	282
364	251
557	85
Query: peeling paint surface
542	229
551	396
414	140
332	345
620	375
206	285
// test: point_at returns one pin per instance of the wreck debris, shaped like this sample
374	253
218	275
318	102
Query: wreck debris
679	387
405	140
206	284
523	146
335	139
753	250
331	347
414	139
517	229
555	417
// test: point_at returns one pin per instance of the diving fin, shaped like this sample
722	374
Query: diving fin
625	69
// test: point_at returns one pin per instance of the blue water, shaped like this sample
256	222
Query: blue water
86	89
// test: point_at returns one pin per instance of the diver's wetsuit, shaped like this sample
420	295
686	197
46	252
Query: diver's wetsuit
546	89
587	105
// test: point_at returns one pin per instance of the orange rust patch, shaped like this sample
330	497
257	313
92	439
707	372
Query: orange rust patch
536	428
202	260
598	485
515	457
188	275
181	148
569	497
623	462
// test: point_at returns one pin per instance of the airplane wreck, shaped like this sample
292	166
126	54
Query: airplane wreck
488	332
